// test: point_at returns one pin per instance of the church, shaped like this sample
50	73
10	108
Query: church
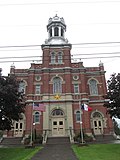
59	87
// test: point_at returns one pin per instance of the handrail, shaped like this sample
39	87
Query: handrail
71	135
45	135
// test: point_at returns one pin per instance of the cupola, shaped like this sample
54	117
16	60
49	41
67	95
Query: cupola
56	29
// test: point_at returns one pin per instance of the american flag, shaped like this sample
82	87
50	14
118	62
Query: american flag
39	107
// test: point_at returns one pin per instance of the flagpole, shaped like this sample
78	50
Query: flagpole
31	134
81	129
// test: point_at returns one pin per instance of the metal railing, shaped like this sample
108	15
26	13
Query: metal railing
71	135
45	136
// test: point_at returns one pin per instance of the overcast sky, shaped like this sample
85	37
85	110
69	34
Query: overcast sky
93	26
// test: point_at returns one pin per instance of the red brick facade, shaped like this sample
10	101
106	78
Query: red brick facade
78	84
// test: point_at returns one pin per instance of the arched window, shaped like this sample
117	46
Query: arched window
62	32
56	31
97	115
53	57
57	112
60	57
22	87
36	117
93	87
57	85
77	116
50	32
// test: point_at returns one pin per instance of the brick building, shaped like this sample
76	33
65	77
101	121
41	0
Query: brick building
62	86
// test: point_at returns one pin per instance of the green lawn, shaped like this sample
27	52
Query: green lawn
17	153
98	152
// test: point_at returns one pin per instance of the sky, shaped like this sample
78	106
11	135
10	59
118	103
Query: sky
93	29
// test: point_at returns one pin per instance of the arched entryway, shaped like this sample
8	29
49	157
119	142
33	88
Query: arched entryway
97	123
19	127
58	122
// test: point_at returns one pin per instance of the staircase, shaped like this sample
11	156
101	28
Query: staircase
12	141
58	140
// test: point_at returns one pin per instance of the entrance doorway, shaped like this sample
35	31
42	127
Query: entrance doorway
97	123
58	123
18	128
58	128
97	126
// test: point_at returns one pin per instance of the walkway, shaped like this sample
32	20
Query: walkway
55	152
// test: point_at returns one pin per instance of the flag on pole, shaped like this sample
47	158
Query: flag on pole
39	107
85	107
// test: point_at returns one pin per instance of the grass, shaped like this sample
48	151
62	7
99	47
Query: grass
17	153
98	152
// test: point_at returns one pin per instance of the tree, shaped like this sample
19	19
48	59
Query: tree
113	96
116	127
11	102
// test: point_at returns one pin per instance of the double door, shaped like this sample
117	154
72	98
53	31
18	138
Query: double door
18	128
98	126
58	127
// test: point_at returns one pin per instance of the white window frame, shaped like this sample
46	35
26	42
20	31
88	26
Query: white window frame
53	57
60	57
57	85
36	117
76	89
78	116
37	89
93	87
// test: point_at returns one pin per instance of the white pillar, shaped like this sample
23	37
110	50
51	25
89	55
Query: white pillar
53	32
59	31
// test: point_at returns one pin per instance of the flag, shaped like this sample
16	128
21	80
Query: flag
39	107
86	107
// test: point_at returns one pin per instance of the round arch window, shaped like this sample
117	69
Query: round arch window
57	112
97	115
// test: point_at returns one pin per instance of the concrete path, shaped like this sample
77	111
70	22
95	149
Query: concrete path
55	152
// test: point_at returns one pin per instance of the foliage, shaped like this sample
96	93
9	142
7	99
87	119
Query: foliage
116	128
1	133
11	102
36	138
113	96
98	152
86	138
18	153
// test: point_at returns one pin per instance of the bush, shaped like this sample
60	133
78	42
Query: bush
1	133
86	138
37	139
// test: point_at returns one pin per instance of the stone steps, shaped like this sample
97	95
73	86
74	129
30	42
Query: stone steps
58	140
11	141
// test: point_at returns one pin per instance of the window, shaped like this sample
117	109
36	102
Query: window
22	87
62	32
57	112
37	78
78	116
97	115
56	31
76	88
57	85
36	117
93	87
52	57
37	89
60	57
50	32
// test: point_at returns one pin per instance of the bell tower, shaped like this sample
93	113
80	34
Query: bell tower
56	50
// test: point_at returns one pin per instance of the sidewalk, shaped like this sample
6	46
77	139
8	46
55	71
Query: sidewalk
56	152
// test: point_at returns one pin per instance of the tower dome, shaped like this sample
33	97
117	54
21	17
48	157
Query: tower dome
56	29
